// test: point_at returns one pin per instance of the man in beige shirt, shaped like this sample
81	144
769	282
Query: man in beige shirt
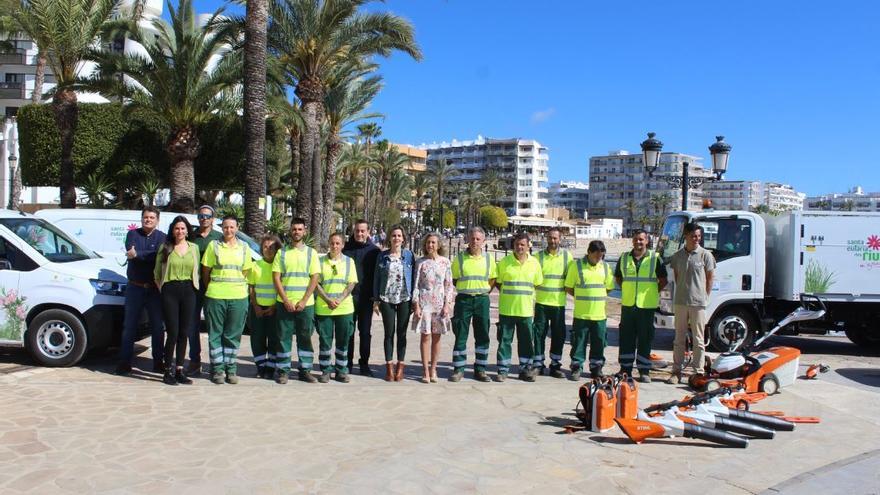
693	266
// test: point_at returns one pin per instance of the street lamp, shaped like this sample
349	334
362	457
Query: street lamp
651	149
455	224
14	191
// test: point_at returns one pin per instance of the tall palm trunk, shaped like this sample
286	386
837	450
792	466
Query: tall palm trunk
309	205
66	117
295	161
334	149
256	18
39	76
183	148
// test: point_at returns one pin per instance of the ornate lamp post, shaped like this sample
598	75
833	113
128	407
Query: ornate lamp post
651	149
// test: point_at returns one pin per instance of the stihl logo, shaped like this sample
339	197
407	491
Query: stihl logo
643	428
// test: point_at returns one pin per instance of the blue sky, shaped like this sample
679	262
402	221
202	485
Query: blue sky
792	85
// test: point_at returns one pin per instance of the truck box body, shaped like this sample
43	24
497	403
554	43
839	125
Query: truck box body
833	254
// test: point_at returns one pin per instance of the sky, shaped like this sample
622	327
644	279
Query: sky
793	86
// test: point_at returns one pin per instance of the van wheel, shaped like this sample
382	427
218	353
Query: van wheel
733	320
57	337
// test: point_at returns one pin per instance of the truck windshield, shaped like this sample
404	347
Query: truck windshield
671	237
46	239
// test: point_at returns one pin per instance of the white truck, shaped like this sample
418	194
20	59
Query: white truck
764	263
58	299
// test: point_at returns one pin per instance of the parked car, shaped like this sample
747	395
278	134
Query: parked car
58	299
104	231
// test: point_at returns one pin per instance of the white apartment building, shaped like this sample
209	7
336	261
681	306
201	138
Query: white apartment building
750	194
619	180
855	199
523	163
574	196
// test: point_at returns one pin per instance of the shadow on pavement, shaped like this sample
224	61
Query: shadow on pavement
840	346
864	376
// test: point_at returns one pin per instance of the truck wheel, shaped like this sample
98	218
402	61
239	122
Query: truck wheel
739	321
862	337
769	384
57	337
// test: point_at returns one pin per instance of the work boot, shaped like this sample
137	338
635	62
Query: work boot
181	377
556	373
674	379
644	377
481	376
389	372
194	368
158	366
457	376
218	378
325	376
231	378
399	372
575	375
123	368
365	370
281	378
595	372
343	377
306	376
526	376
501	377
168	377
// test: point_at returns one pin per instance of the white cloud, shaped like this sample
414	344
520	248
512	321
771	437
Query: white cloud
542	116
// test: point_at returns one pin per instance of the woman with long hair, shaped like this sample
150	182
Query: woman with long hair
334	308
392	296
433	300
177	277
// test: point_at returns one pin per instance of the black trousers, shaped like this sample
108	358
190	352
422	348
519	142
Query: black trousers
363	318
395	319
178	308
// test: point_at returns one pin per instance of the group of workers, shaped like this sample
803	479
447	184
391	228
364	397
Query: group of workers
293	291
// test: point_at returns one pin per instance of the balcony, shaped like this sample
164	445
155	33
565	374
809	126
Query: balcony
17	58
12	90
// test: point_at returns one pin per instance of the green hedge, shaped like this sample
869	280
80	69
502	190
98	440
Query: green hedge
127	146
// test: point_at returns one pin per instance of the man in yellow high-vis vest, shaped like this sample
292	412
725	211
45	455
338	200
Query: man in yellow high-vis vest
550	304
519	274
641	275
474	273
296	271
589	280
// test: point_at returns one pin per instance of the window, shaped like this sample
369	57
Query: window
11	112
46	239
16	260
727	237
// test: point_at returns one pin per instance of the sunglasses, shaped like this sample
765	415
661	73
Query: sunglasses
204	216
333	268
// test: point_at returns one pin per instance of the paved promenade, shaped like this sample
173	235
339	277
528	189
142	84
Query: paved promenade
84	430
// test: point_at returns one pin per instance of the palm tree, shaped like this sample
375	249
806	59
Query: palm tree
68	30
175	79
312	38
255	26
9	26
660	203
388	162
630	206
420	186
471	197
493	185
350	94
367	133
439	173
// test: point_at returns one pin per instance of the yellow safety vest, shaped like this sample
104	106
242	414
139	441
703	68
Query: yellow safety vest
261	279
472	273
639	287
334	280
518	282
591	284
554	267
227	265
296	267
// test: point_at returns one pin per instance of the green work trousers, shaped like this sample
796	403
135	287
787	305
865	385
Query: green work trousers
594	331
636	336
301	324
340	327
264	339
524	346
552	319
471	309
225	319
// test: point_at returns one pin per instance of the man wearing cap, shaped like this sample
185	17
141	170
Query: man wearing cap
202	238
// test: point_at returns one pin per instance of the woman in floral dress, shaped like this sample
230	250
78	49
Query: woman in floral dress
433	297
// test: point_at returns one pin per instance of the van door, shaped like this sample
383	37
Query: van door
13	305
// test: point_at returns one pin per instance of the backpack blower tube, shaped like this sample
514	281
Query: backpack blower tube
714	436
760	419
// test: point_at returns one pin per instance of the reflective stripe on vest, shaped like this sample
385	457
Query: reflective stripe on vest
590	294
552	292
227	277
638	286
472	278
334	288
285	275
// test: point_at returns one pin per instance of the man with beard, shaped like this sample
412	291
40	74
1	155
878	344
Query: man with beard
361	249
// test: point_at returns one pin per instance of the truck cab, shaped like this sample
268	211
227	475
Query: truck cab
736	240
58	299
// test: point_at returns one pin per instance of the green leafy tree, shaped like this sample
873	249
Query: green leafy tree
439	173
493	217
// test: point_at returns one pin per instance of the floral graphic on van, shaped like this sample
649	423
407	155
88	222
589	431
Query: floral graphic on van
16	312
132	226
874	242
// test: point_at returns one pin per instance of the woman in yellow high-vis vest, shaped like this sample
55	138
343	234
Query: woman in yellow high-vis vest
334	308
264	338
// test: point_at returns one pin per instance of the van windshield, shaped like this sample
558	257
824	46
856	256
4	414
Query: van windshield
47	239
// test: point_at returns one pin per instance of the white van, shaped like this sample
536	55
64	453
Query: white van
58	299
104	231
